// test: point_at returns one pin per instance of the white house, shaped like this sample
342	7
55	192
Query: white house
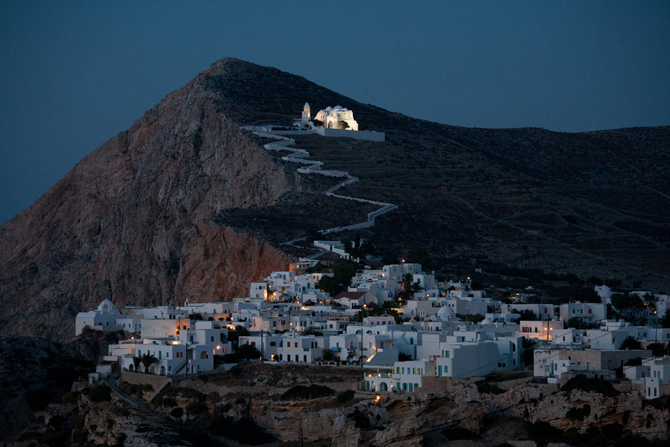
351	299
129	324
465	306
162	328
345	347
541	330
382	320
468	359
266	344
302	349
587	311
408	374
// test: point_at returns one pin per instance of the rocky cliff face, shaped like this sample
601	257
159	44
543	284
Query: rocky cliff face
129	222
255	404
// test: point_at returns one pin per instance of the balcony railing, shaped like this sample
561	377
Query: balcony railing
380	375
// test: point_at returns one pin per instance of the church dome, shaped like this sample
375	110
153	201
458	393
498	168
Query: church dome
446	313
485	321
107	307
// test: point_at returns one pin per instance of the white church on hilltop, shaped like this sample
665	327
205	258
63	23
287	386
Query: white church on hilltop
335	121
337	117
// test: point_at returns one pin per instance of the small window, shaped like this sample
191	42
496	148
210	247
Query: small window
179	354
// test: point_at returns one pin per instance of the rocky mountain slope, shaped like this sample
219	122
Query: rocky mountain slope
590	203
184	204
129	222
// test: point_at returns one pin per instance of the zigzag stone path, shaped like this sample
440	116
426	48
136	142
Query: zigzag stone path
314	167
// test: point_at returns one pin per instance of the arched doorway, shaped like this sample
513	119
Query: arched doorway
162	370
383	386
131	368
204	355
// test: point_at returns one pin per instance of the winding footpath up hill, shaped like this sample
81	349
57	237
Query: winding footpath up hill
314	167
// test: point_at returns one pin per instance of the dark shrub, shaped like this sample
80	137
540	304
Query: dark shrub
52	438
56	422
360	420
612	431
80	437
213	397
300	392
345	396
169	402
100	393
543	433
38	399
120	440
489	388
578	414
177	412
630	343
195	408
457	433
244	430
580	382
63	374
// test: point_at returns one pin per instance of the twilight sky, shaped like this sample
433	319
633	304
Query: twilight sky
73	75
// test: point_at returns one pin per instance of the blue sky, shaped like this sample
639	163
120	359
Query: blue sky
73	75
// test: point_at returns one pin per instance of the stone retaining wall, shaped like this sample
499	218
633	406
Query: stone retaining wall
156	381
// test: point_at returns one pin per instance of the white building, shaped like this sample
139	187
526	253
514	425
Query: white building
345	347
337	117
541	330
266	344
467	360
605	294
405	376
355	299
408	374
381	320
103	318
586	311
302	349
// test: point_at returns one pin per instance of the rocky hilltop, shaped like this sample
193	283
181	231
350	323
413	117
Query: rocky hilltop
130	222
185	204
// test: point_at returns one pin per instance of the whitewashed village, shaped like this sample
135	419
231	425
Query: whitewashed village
397	322
441	329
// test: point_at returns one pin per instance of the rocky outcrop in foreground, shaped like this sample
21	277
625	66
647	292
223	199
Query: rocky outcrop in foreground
311	405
